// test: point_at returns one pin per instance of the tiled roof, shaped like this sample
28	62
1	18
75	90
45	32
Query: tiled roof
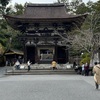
45	11
13	51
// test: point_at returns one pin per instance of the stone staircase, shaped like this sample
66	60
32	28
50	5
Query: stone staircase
42	69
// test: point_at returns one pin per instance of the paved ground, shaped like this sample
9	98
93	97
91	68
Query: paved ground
3	70
48	87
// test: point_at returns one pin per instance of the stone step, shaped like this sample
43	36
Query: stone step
44	62
40	72
45	66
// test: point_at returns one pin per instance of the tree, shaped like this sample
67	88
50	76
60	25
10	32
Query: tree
88	39
19	9
81	9
7	34
4	2
71	5
96	6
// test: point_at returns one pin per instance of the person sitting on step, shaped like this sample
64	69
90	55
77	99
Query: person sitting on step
54	65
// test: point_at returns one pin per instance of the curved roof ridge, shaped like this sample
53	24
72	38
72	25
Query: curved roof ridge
45	5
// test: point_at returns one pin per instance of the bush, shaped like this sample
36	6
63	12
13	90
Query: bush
85	58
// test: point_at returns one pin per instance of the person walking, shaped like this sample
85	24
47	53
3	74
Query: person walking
82	68
96	71
29	63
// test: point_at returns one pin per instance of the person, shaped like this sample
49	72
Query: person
82	68
74	64
54	64
29	63
96	71
86	67
6	62
17	64
41	56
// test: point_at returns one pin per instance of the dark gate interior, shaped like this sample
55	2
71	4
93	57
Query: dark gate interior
30	51
62	55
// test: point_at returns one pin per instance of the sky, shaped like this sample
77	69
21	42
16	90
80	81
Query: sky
38	1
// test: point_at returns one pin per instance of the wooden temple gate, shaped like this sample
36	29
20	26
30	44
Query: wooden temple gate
43	26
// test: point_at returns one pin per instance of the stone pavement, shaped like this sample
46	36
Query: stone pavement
48	87
3	70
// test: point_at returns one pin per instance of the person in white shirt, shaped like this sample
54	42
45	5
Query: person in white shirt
29	63
83	68
17	64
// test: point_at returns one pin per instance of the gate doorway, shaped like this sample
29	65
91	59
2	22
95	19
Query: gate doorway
30	52
62	54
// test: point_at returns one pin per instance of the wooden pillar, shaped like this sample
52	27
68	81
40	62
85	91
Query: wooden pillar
36	53
55	55
24	50
25	54
66	54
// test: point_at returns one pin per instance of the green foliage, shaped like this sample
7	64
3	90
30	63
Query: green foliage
2	58
4	2
19	9
96	6
6	32
1	49
16	44
81	9
85	58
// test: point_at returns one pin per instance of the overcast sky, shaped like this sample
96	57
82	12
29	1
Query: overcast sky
39	1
